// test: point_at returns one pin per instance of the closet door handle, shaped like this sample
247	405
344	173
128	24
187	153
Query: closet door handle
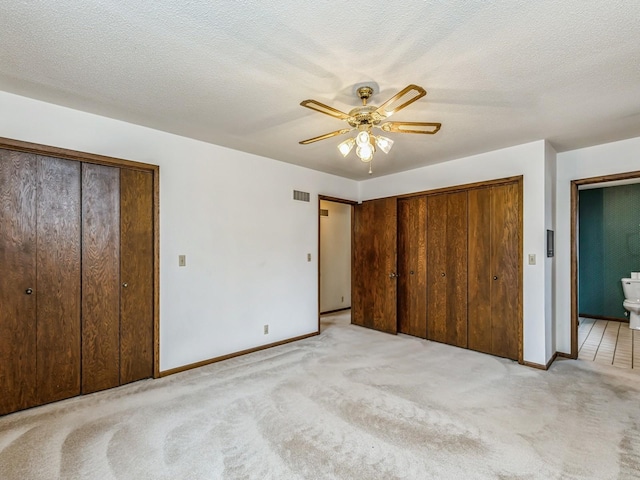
411	272
442	274
29	291
495	277
125	285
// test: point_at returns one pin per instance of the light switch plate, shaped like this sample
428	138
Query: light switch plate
182	260
532	259
308	257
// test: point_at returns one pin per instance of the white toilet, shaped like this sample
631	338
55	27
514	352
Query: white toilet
631	287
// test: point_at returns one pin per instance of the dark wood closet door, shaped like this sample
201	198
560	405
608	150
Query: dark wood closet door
480	276
457	219
374	298
436	268
412	266
100	277
17	275
447	268
136	274
494	270
58	295
505	262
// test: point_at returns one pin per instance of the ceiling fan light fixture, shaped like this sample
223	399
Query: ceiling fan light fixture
346	146
366	117
384	143
363	138
365	152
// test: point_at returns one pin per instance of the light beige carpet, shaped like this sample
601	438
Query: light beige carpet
349	404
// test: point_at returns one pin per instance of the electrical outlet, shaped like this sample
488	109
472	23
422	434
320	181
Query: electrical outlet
532	259
308	257
266	329
182	260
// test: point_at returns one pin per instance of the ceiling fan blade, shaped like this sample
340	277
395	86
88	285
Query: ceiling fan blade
326	109
411	127
407	95
326	135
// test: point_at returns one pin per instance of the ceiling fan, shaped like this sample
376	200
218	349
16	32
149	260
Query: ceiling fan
366	117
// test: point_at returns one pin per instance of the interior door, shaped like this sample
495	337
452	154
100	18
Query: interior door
58	293
374	277
136	275
18	288
412	266
100	277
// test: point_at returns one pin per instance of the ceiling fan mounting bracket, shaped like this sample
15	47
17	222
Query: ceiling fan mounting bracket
365	93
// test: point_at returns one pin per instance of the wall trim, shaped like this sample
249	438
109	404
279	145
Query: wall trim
172	371
335	311
457	188
540	366
604	317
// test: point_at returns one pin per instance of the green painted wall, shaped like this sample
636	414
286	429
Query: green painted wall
608	247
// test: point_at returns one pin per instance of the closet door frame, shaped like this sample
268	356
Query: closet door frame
27	147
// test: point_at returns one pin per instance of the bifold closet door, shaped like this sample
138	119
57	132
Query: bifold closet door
374	276
480	274
136	275
505	265
58	279
17	279
494	272
100	277
412	266
447	268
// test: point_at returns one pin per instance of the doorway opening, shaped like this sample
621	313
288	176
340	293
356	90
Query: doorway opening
605	234
335	219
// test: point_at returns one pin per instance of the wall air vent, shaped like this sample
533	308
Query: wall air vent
324	212
302	196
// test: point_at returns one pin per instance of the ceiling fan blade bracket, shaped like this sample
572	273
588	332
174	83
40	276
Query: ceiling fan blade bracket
390	107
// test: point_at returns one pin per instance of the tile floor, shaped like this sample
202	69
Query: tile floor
609	342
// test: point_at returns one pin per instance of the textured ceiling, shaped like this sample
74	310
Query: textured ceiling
233	73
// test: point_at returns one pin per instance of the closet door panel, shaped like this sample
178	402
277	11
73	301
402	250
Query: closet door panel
480	270
456	253
437	268
58	296
17	274
136	273
505	259
412	266
100	277
360	299
374	296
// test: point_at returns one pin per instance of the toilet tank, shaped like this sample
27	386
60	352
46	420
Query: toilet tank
631	287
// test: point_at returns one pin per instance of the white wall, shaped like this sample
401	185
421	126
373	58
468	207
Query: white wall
528	160
550	262
335	256
606	159
246	240
232	215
